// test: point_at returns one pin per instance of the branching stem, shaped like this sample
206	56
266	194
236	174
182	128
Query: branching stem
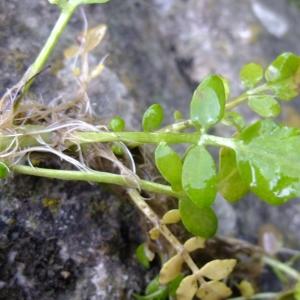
163	229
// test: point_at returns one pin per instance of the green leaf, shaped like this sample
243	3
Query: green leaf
230	184
269	161
152	286
297	291
116	124
208	101
226	86
153	117
3	170
154	291
174	284
264	105
169	165
233	118
160	294
251	74
286	89
284	66
199	178
198	221
142	255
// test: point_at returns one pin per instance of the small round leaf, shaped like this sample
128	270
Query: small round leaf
199	178
208	102
264	105
144	255
187	288
198	221
153	117
171	269
218	269
169	165
284	66
251	74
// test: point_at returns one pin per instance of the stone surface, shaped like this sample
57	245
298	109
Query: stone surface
77	241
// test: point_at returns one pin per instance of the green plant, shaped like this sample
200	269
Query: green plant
261	157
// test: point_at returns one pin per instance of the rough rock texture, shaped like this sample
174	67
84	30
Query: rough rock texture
76	241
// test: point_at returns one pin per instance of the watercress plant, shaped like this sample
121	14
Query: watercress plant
261	157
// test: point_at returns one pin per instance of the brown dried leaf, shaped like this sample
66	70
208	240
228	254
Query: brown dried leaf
94	37
171	269
187	288
172	216
194	243
71	51
246	289
218	269
213	290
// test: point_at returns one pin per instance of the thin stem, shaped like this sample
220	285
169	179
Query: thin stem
185	124
163	229
235	102
238	100
292	273
95	176
40	61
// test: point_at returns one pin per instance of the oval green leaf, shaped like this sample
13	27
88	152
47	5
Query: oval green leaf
284	66
251	74
142	255
199	178
198	221
153	117
286	89
269	160
169	165
208	101
264	105
230	183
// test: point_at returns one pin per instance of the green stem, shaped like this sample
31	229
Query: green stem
235	102
26	138
95	176
39	63
213	140
292	273
238	100
138	137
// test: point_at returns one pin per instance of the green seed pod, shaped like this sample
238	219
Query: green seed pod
116	124
153	117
